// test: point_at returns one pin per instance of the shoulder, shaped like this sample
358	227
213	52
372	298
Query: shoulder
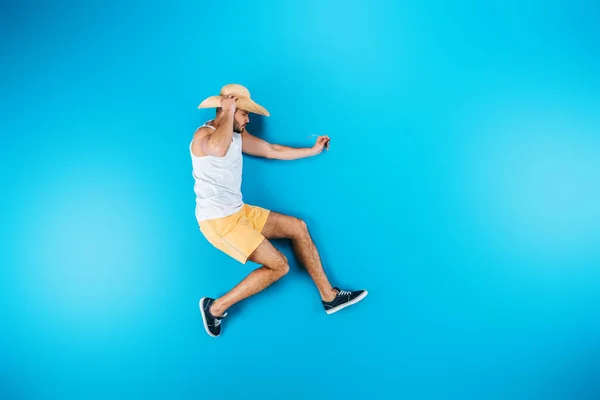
199	135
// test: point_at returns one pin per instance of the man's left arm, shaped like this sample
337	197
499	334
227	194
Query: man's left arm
258	147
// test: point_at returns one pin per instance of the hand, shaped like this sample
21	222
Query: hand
321	143
228	103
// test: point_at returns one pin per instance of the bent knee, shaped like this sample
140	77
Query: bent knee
300	225
284	269
280	265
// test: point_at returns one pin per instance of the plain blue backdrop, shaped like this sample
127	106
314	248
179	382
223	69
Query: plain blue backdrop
462	189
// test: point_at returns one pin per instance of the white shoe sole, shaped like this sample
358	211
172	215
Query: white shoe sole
342	306
204	317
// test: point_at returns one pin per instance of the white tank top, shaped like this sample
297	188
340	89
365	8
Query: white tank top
218	181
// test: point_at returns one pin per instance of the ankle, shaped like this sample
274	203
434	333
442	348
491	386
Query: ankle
216	310
329	295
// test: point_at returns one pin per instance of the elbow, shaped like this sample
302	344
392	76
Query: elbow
272	153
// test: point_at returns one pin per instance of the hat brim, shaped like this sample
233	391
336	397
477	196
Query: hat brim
243	103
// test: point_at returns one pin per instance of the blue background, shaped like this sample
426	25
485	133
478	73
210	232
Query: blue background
462	189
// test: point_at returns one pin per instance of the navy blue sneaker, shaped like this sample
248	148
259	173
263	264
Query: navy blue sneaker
343	299
212	324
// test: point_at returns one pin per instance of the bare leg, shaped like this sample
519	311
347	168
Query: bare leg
281	226
275	266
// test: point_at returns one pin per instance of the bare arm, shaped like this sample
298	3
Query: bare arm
217	143
258	147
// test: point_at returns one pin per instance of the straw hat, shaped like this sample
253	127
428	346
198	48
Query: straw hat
243	102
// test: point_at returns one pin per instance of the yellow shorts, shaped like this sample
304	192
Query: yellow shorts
239	234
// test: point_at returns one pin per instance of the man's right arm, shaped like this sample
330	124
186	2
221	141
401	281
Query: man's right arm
217	143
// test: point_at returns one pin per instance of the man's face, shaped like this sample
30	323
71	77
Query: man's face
240	120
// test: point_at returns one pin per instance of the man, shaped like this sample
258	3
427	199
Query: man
240	230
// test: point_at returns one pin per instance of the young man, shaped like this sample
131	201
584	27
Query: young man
240	230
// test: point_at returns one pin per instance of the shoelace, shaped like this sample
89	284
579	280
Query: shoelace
343	293
218	319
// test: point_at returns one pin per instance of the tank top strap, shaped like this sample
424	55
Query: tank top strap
207	125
